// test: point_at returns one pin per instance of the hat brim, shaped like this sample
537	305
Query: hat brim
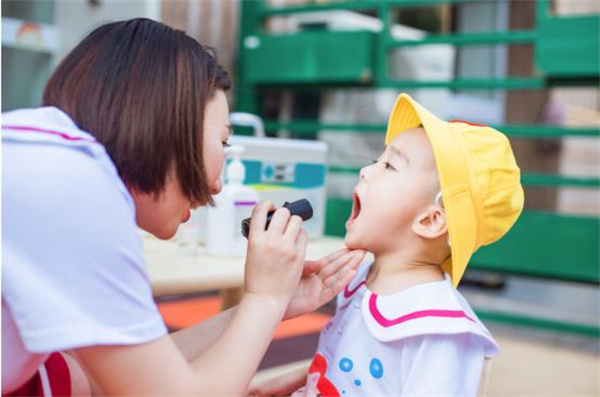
458	202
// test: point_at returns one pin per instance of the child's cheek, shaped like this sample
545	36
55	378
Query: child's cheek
384	207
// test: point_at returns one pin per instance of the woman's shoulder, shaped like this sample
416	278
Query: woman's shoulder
47	157
61	196
48	124
57	177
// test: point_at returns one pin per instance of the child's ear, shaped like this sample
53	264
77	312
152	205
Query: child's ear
430	223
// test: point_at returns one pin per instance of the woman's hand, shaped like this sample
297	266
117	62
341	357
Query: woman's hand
275	256
322	280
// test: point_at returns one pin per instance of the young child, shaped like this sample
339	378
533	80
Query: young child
437	193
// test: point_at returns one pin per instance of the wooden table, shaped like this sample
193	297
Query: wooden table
172	271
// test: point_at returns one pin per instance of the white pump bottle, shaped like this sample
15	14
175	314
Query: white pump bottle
232	205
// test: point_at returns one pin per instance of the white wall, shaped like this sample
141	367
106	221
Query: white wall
77	18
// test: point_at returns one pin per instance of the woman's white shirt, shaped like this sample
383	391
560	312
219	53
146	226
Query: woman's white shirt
73	271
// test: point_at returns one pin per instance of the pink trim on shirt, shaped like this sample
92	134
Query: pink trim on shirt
384	322
51	132
349	293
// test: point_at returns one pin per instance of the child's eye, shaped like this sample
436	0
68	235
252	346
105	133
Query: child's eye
226	144
388	166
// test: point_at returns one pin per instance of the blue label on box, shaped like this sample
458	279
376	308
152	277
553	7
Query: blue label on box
292	175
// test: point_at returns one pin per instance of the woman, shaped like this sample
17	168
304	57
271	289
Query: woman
132	134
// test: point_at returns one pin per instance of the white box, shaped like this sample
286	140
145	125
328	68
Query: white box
287	170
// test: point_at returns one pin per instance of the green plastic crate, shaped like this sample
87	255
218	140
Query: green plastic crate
569	47
310	57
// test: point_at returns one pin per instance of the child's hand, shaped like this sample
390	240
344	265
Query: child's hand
322	280
275	256
310	390
283	385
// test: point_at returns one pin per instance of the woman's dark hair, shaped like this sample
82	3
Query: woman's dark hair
141	87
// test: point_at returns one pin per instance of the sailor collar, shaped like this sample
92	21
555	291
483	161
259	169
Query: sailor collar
434	308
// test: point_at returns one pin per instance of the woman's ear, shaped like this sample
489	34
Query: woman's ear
430	223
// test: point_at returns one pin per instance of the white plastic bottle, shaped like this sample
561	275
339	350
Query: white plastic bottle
188	237
232	205
192	233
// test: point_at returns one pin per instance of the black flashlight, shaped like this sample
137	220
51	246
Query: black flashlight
302	208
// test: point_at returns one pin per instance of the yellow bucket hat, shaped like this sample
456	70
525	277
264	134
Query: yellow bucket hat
479	178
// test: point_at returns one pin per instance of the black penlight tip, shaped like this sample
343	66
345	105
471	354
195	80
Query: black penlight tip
301	207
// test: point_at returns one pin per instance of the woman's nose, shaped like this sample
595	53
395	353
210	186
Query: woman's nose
216	187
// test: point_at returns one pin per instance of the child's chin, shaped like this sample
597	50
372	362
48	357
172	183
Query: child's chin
352	242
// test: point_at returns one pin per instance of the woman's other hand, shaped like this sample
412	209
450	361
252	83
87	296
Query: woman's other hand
322	280
275	258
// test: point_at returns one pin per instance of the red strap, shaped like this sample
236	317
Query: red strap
58	376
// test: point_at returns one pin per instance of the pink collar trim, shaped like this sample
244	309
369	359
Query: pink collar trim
348	293
385	322
51	132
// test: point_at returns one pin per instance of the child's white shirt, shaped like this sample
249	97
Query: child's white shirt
424	341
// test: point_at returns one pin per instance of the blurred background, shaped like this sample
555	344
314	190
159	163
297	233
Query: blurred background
329	71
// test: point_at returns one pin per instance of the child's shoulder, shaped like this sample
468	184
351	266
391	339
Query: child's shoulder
433	308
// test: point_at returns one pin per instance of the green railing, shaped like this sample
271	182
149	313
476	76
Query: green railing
567	54
516	131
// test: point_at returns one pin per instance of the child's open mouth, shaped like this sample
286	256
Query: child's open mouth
355	209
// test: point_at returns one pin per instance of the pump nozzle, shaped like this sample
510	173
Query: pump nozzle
235	172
